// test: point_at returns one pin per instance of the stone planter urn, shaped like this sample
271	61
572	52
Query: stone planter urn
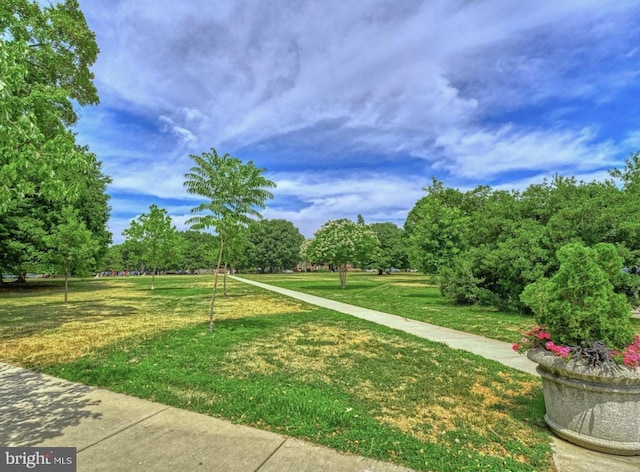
594	407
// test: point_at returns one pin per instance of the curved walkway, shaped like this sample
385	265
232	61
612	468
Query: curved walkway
488	348
567	457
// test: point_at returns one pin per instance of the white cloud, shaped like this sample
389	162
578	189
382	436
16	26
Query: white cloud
486	154
329	195
363	83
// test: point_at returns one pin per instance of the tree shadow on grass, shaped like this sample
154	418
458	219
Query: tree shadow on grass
36	408
434	296
334	288
32	319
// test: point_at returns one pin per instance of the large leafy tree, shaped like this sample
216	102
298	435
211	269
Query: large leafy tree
234	192
339	242
436	228
274	244
26	221
200	250
156	237
392	251
45	55
72	248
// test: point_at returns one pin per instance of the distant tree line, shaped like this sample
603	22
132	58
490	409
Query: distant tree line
152	244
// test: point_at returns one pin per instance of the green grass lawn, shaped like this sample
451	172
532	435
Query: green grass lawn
411	295
285	366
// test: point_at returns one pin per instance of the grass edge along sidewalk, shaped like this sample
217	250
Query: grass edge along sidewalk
489	349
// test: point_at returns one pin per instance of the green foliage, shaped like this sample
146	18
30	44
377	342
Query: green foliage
578	304
234	193
274	245
339	242
72	249
45	55
200	250
155	237
435	229
392	251
510	239
458	284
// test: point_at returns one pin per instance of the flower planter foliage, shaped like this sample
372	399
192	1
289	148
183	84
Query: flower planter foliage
578	304
586	351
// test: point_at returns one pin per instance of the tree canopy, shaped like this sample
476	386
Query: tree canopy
45	58
274	245
156	238
392	251
234	193
339	242
72	248
487	245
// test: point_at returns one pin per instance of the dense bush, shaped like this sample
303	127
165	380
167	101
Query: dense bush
510	239
578	304
458	284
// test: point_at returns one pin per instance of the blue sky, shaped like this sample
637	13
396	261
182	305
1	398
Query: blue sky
353	105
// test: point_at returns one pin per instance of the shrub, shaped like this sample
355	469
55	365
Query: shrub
578	305
458	284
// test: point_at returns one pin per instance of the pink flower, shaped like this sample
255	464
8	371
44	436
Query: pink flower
631	356
515	347
562	351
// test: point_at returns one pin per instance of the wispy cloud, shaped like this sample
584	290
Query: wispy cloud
476	91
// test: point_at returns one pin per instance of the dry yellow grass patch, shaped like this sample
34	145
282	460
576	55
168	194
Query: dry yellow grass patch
75	339
309	351
303	351
254	305
430	421
411	284
40	338
315	351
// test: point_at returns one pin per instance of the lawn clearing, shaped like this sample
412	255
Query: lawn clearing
410	295
37	329
285	366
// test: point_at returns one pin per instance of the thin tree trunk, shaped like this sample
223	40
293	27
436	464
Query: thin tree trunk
342	270
66	286
225	279
215	286
153	278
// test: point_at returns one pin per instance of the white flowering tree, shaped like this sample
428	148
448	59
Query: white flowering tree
339	242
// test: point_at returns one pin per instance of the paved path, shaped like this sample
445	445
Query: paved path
567	457
487	348
118	433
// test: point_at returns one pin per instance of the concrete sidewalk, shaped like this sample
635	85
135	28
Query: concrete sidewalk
114	432
567	457
487	348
